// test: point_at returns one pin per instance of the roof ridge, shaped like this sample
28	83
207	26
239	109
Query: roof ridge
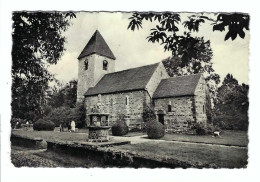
133	68
178	86
183	76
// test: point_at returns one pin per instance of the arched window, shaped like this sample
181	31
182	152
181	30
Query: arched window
86	64
105	63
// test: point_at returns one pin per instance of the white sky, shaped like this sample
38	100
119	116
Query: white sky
132	49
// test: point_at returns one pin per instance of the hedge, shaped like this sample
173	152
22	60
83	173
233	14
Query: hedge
155	129
120	128
43	125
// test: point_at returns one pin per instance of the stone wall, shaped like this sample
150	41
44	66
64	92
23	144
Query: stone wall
182	113
159	74
115	105
90	77
200	101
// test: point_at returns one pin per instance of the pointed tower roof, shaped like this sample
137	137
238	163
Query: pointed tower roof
97	45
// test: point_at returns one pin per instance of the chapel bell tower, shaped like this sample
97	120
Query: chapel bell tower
95	60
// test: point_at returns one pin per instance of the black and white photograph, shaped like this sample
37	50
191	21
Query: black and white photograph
152	89
122	90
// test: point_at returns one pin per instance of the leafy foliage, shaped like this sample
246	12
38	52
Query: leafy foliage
148	114
43	125
204	129
190	55
64	96
236	24
37	43
232	104
59	115
17	122
66	114
200	128
155	130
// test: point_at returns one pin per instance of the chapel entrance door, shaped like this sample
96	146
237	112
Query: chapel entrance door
161	118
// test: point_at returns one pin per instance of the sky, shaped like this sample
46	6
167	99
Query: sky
132	49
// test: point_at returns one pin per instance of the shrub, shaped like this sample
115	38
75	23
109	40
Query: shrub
232	122
155	129
203	129
200	128
59	115
14	122
66	115
148	114
43	125
120	128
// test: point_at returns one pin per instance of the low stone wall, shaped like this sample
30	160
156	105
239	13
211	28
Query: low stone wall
28	142
112	157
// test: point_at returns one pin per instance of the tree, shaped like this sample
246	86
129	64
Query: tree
232	104
190	54
37	43
65	96
65	114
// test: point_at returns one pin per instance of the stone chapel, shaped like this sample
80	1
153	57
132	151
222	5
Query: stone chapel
178	101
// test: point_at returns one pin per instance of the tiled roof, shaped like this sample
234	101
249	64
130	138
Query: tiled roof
126	80
177	86
97	45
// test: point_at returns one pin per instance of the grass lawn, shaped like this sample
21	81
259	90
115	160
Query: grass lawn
21	156
196	154
52	135
227	137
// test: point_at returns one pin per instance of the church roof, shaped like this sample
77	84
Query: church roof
97	45
177	86
126	80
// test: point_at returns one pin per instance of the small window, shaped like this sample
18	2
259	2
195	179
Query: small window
86	64
203	108
111	102
169	108
105	63
126	100
161	73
